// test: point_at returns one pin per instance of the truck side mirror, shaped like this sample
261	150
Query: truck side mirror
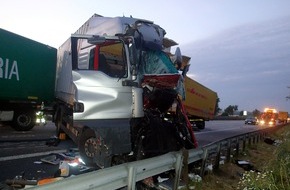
133	58
78	107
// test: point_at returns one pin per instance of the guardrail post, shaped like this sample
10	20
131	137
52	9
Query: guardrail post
237	147
184	172
261	136
204	158
229	147
244	143
132	178
249	140
218	156
178	169
255	139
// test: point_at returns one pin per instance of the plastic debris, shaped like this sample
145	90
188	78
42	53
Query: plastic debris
54	141
270	141
64	168
160	179
247	166
209	167
49	180
194	177
52	159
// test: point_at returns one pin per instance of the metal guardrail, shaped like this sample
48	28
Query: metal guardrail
129	173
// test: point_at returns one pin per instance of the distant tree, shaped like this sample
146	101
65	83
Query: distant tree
256	113
231	109
241	113
217	109
225	114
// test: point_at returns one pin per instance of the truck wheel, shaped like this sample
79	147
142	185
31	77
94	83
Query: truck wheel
88	147
201	124
58	122
23	121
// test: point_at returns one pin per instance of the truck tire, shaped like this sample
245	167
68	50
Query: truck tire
200	124
87	147
23	120
58	121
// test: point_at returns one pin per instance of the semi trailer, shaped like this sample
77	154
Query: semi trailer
200	103
283	117
27	79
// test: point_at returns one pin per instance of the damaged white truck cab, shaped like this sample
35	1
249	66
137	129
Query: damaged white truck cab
107	105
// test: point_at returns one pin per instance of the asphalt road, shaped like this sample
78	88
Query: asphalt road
220	129
21	152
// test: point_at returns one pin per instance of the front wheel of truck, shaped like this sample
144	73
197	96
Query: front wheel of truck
87	146
23	120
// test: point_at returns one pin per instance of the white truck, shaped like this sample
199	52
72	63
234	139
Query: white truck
116	83
112	83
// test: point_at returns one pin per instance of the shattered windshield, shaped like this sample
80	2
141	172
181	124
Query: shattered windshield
156	62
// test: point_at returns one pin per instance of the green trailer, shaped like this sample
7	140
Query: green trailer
27	78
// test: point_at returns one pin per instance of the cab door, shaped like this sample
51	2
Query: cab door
98	80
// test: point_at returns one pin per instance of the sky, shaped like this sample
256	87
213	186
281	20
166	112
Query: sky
247	65
214	33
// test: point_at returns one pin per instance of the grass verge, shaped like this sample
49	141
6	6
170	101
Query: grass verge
271	167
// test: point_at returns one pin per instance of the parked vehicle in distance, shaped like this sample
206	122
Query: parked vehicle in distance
282	117
251	121
268	117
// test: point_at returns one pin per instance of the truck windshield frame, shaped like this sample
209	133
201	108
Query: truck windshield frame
108	57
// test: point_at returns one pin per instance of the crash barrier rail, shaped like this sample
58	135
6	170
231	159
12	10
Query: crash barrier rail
127	174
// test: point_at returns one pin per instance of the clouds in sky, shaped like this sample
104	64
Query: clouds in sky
248	65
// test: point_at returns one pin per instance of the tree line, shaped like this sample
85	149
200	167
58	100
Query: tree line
231	109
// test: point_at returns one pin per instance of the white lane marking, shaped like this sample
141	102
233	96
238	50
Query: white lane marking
30	155
216	131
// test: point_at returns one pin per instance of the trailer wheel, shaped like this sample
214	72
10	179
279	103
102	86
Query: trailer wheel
23	120
88	146
201	124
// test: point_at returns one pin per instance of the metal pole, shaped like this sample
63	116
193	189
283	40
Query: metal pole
228	157
132	178
218	156
237	146
178	169
244	143
205	154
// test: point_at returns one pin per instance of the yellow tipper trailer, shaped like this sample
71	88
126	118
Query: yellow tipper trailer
200	102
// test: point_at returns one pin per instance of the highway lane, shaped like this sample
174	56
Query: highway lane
21	151
18	143
219	129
